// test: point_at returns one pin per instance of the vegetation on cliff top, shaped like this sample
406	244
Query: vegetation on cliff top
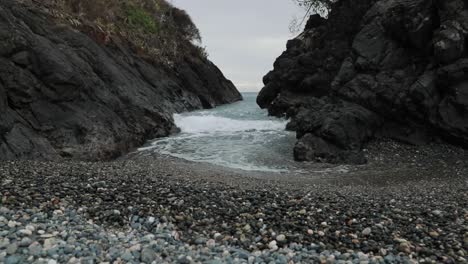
321	7
155	28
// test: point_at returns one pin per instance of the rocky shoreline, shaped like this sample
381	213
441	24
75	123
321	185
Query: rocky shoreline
166	210
374	69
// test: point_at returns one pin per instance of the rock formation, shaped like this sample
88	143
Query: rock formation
388	68
63	93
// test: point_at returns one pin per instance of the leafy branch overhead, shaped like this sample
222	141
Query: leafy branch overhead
321	7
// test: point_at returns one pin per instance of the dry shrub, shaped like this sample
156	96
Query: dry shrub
164	32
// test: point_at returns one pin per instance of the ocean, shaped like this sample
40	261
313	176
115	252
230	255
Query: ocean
239	136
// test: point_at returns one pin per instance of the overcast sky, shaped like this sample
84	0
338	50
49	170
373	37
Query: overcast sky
243	37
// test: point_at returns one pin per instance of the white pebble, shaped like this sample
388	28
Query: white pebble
280	238
11	224
437	212
211	243
74	260
25	232
367	231
217	236
58	212
49	243
273	245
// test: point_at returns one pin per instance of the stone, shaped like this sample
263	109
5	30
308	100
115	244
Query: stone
49	243
273	245
25	232
11	249
367	231
127	255
136	247
281	238
218	236
25	241
13	259
437	212
404	247
148	255
211	243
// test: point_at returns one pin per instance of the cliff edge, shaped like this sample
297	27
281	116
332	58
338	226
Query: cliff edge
71	91
396	69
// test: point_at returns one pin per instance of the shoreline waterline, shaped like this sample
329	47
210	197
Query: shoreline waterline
238	136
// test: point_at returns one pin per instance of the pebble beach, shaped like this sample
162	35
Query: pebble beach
165	210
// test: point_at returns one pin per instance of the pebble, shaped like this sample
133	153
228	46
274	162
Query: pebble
11	224
273	245
437	212
280	238
49	243
151	219
218	236
25	232
221	225
11	249
367	231
148	255
211	243
25	241
12	259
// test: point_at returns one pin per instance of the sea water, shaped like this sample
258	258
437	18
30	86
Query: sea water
239	136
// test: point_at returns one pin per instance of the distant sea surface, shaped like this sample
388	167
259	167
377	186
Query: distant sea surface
239	136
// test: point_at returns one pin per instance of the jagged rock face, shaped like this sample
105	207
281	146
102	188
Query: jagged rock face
64	95
375	68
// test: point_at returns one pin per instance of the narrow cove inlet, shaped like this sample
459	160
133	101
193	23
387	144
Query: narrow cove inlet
239	136
237	132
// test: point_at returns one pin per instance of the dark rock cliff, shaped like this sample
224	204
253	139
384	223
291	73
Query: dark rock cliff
64	94
396	69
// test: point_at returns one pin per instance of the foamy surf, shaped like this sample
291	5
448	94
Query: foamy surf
212	124
238	136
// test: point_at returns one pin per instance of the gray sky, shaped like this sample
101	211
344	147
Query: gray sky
243	37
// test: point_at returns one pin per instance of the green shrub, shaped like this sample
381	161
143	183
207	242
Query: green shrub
140	19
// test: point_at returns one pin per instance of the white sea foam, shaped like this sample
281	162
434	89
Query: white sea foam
212	123
239	136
